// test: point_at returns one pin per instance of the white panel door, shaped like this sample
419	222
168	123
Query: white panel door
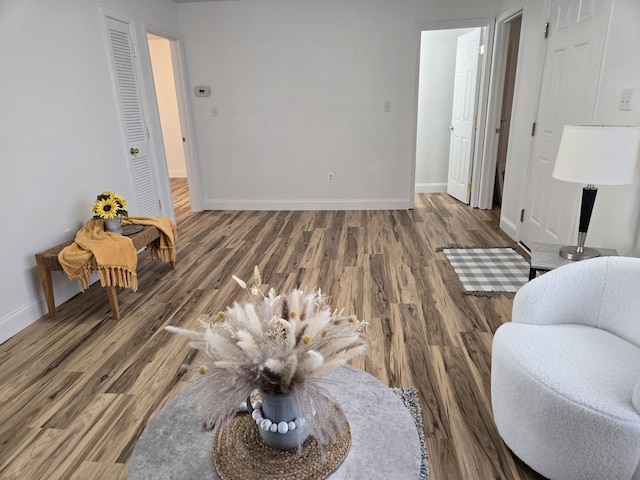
569	85
465	90
126	83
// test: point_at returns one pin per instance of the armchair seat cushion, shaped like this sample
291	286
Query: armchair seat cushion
562	399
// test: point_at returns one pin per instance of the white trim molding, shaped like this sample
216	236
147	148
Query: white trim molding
431	188
279	205
31	312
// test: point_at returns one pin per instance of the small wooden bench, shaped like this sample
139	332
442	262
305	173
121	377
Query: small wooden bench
47	262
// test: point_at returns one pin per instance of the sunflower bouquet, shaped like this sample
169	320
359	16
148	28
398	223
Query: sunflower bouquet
109	205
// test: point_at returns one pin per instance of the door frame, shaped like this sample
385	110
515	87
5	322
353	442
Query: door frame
483	91
184	107
488	163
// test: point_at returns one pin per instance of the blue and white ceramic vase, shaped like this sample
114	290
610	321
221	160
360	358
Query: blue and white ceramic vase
278	422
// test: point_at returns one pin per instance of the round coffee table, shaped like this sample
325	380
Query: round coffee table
384	439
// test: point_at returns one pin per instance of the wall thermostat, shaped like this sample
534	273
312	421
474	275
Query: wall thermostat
202	91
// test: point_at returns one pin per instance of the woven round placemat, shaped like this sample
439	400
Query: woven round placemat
239	453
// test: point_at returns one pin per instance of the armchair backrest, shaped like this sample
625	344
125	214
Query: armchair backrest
602	292
620	307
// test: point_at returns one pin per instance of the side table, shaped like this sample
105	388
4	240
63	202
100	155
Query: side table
546	257
384	438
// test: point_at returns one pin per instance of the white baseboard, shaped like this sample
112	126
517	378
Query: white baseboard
177	174
431	187
19	319
360	204
33	311
509	228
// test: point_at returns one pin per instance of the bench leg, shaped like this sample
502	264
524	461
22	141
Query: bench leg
113	301
47	286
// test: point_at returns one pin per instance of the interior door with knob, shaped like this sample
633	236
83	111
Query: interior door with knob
573	59
136	134
462	128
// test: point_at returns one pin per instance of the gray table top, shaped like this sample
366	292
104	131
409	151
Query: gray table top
384	439
546	256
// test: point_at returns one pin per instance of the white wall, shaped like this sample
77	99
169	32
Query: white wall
507	5
165	86
60	138
435	104
300	87
616	217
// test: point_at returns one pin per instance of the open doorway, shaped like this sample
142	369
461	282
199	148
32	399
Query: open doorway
164	79
441	102
512	48
435	107
490	169
493	107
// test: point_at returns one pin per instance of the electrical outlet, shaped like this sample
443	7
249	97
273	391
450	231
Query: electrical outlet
387	106
214	111
626	99
330	177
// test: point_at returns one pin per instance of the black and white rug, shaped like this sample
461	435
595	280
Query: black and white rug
409	397
488	271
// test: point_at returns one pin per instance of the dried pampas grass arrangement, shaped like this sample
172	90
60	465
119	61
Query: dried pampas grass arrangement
279	344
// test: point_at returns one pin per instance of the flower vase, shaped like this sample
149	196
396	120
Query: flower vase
281	410
113	224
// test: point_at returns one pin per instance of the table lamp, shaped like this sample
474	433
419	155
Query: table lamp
590	155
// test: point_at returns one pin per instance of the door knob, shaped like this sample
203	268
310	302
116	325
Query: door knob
451	127
134	151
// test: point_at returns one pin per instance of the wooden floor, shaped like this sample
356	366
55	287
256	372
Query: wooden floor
75	394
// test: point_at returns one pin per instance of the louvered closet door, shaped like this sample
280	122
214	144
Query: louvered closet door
133	120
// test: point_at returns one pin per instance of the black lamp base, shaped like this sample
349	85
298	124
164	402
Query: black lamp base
570	252
580	252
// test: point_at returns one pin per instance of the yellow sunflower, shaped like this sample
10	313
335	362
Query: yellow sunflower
106	208
121	201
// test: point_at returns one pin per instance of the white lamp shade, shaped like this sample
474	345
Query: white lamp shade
597	154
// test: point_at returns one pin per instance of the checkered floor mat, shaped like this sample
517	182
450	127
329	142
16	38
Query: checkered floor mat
488	269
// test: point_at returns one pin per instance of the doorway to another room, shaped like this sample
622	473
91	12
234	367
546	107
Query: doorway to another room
162	64
435	107
514	26
450	85
464	98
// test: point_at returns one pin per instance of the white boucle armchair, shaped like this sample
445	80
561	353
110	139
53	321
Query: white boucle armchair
565	373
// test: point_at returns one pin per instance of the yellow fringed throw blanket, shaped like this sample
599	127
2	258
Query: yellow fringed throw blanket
113	255
163	249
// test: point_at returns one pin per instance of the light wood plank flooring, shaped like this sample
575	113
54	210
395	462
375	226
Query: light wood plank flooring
75	394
